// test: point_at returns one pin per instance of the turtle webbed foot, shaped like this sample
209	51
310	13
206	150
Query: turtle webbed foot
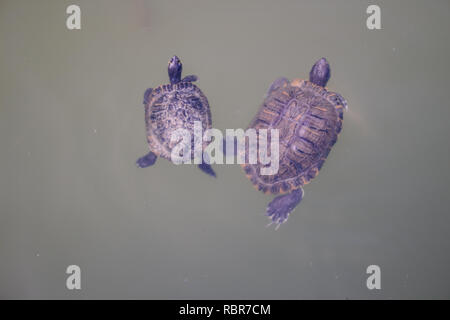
279	209
147	160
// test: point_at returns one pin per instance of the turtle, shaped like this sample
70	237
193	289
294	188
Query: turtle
170	107
309	118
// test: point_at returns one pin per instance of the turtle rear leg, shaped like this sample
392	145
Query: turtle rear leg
206	168
279	209
146	161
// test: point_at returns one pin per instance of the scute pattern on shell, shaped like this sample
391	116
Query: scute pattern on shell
171	107
309	119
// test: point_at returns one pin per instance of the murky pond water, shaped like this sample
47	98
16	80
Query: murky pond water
72	126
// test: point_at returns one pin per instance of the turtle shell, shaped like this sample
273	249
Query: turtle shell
171	107
309	119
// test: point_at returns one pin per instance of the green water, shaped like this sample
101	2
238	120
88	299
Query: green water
72	126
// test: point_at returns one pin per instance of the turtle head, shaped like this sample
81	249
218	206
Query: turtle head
174	69
320	72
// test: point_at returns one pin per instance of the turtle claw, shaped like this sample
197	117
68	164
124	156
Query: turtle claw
279	209
271	223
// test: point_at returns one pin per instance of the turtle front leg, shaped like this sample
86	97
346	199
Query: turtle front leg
279	209
342	101
189	78
146	161
147	94
277	84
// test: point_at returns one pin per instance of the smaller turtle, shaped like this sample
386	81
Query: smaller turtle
309	118
170	107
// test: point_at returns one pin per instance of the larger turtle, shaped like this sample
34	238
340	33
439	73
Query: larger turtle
170	107
309	118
